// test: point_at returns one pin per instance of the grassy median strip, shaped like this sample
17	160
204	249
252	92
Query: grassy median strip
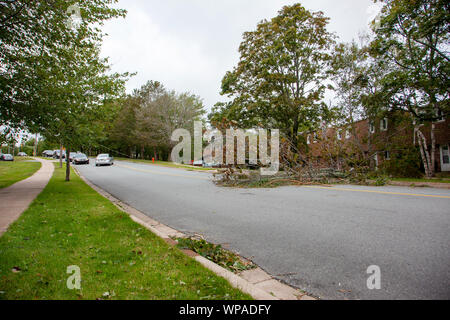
415	180
69	224
15	171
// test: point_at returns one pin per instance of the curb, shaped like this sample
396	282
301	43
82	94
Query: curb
256	282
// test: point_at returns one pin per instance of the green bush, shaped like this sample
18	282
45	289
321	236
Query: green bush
405	163
381	180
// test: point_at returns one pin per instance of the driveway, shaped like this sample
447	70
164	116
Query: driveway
319	239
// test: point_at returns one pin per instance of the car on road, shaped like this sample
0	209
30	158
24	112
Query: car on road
104	159
80	158
56	154
48	153
72	155
252	165
22	154
211	165
7	157
198	163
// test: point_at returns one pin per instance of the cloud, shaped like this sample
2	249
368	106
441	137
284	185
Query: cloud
175	61
189	45
373	10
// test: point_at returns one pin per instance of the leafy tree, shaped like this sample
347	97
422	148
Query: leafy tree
121	134
350	76
278	81
35	37
148	117
53	80
414	35
356	82
161	112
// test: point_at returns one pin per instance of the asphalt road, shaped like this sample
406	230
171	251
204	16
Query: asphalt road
321	240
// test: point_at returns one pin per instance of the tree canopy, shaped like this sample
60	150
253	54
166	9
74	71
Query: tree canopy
279	80
148	117
414	36
46	62
53	79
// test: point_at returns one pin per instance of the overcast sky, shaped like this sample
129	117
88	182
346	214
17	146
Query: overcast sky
188	45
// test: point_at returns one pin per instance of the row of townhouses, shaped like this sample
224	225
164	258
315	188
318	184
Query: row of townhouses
380	140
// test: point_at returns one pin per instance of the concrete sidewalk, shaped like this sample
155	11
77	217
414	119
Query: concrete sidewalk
16	199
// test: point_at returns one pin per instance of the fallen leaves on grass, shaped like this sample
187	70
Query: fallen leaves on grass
216	253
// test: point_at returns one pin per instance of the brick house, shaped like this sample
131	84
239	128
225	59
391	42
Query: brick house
377	140
442	136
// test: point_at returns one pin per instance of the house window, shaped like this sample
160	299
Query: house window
371	127
387	155
384	124
445	155
339	134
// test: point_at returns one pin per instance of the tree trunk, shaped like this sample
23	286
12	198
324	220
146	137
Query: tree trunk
155	155
68	164
433	150
35	149
60	155
294	138
424	152
142	152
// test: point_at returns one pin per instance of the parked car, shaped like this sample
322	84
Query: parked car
48	153
80	158
22	154
104	159
251	165
212	165
56	154
198	163
72	155
7	157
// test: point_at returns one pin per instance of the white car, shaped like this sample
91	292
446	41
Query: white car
198	163
104	160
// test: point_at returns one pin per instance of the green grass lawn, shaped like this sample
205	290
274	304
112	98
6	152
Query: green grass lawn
419	180
70	224
14	171
165	164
